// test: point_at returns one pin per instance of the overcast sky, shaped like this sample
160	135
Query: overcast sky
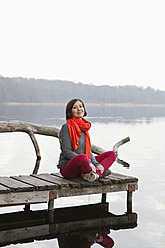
114	42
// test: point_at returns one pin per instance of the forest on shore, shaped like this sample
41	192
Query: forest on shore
30	90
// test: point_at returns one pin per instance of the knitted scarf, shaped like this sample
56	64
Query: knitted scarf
75	126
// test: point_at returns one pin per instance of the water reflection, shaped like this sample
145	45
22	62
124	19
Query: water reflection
145	153
55	115
85	240
79	226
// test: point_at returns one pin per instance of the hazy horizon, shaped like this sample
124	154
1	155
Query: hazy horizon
92	42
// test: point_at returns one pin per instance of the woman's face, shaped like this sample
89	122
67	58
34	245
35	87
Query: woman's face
78	110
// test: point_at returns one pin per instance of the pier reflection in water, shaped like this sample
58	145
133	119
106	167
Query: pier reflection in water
79	226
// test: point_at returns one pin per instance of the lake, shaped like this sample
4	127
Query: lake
144	154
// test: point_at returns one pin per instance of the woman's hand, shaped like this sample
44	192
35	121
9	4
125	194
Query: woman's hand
93	168
100	168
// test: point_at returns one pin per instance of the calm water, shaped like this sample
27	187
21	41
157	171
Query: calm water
145	154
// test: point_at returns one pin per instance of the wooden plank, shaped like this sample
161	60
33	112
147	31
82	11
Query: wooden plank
15	185
60	215
62	182
4	189
36	182
106	180
14	220
22	198
113	222
113	178
17	190
70	182
23	234
94	190
116	178
123	178
79	180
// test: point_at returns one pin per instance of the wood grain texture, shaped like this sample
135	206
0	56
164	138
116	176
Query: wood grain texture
31	189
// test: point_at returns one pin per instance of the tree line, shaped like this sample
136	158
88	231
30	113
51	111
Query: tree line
30	90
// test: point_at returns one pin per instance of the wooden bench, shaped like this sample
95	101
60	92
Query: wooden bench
32	189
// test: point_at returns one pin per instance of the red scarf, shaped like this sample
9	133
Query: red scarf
75	126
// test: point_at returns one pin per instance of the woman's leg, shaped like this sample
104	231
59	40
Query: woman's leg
106	159
75	166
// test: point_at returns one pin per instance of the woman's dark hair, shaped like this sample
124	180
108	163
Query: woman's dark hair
69	107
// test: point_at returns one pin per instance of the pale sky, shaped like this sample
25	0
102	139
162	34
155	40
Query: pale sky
103	42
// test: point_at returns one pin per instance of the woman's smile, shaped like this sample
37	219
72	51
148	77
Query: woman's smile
78	110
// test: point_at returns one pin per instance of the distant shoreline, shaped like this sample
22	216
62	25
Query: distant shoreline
126	105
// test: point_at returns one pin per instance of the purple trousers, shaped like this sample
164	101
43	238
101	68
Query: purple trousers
80	164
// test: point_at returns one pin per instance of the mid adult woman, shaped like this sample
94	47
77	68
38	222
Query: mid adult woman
76	158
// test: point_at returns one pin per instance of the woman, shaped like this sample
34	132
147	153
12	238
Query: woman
76	158
85	240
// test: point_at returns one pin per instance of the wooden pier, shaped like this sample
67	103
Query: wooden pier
41	188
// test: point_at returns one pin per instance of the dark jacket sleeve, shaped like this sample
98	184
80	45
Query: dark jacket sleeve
66	144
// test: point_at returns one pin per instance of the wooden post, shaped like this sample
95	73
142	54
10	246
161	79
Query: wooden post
103	199
51	205
27	207
131	188
52	196
129	202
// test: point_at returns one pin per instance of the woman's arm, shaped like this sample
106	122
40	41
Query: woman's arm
96	164
93	160
65	142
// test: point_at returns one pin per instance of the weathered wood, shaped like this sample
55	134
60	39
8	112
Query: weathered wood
51	205
32	129
18	190
20	126
119	143
77	181
37	183
103	199
15	185
23	235
62	182
4	189
97	150
36	168
27	207
129	202
92	190
23	198
120	161
22	227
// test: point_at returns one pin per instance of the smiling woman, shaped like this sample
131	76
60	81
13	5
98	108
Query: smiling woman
75	108
76	158
78	110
